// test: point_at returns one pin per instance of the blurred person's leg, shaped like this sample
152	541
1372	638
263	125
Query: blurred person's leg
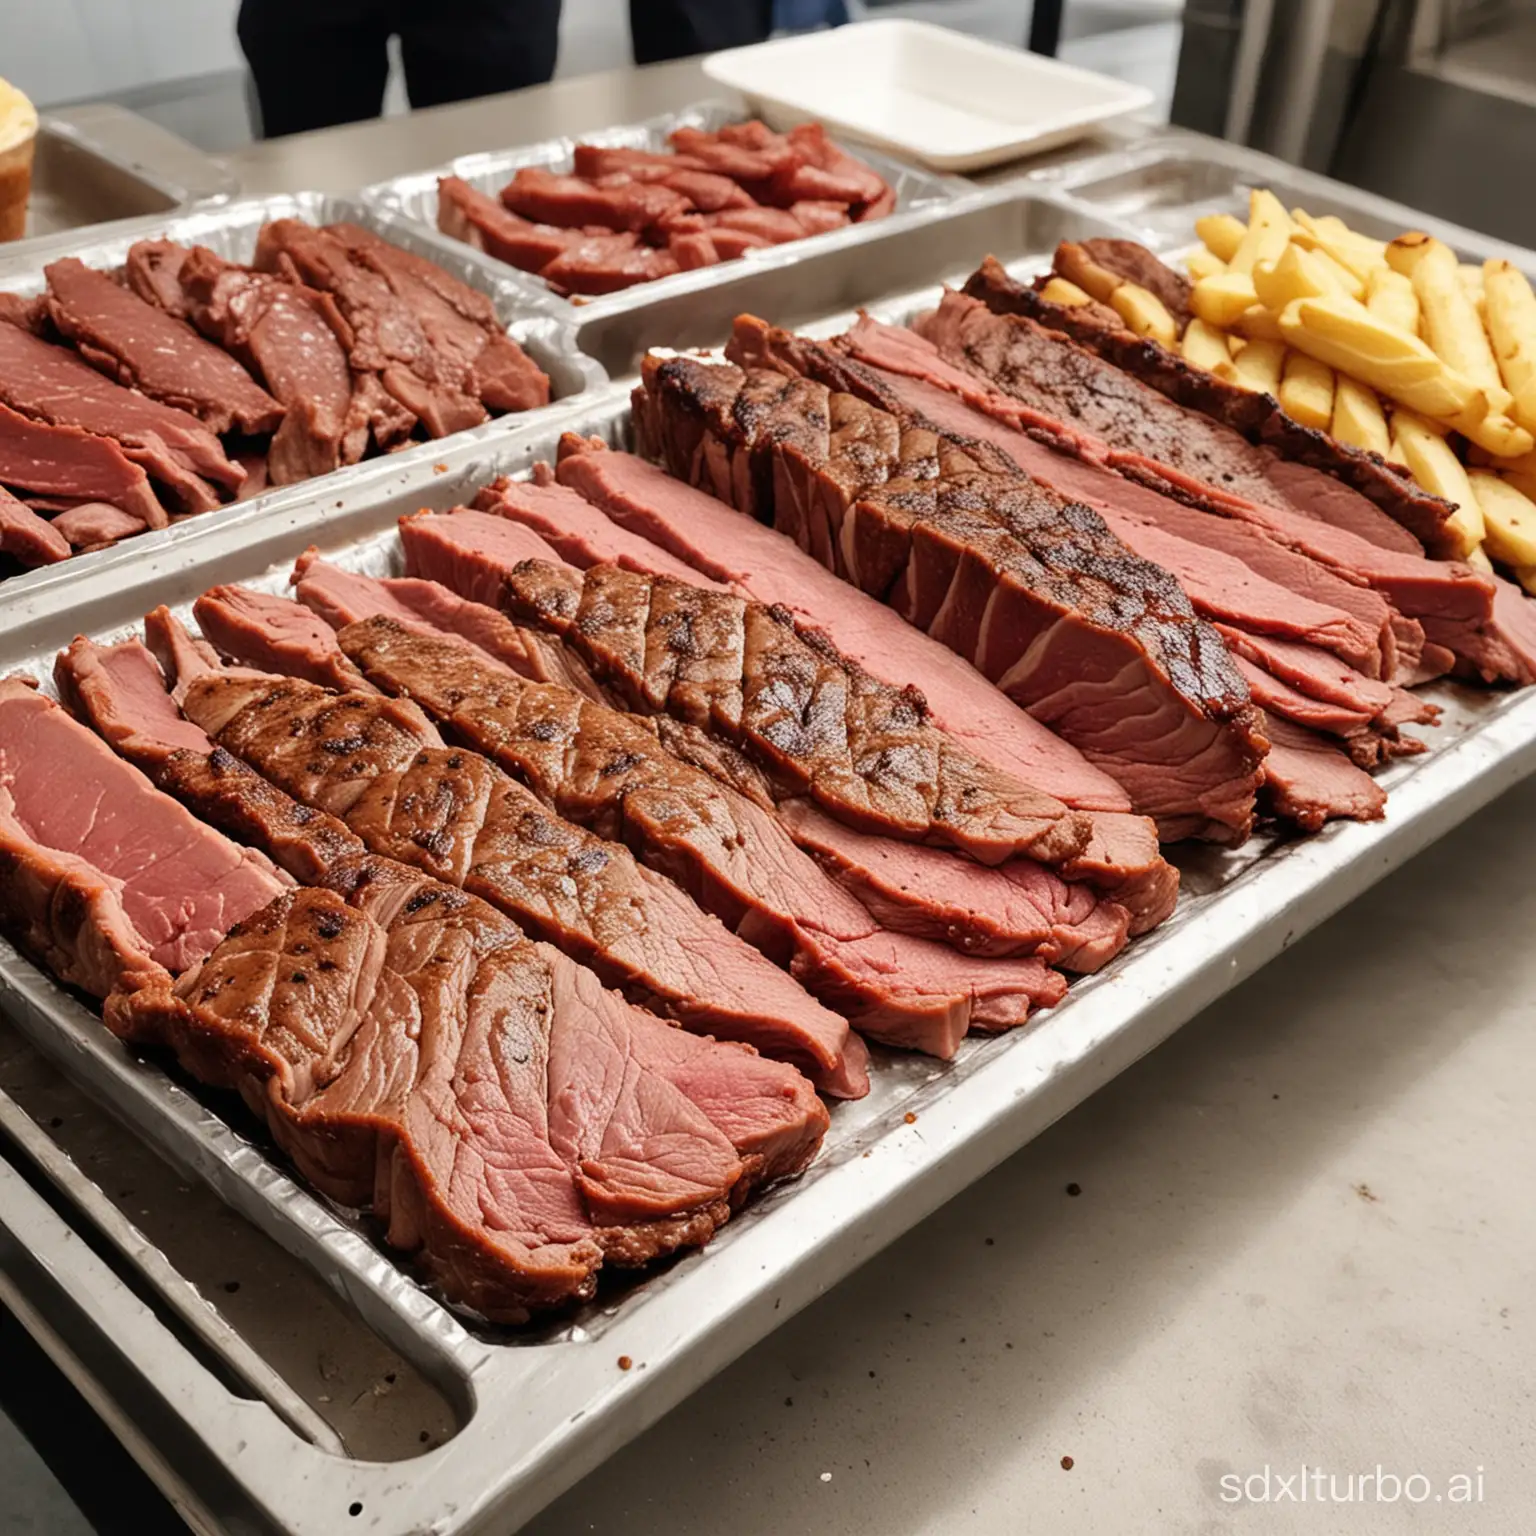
315	63
454	50
677	29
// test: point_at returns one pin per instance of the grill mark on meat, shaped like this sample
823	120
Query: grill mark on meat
453	814
1008	575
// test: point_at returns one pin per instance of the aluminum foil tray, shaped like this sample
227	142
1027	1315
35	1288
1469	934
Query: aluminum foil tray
527	1414
1161	187
414	197
230	229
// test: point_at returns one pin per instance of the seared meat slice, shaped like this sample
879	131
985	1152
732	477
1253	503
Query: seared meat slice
140	345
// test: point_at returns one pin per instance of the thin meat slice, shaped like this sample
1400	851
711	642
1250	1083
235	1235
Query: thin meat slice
290	336
590	161
656	522
811	142
1309	781
607	770
27	314
863	750
932	894
273	634
387	338
180	885
96	524
352	1041
73	465
381	769
28	539
163	357
51	384
543	197
767	1112
1033	590
459	321
599	264
343	597
480	221
1221	419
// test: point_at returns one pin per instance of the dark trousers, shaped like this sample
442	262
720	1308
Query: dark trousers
316	63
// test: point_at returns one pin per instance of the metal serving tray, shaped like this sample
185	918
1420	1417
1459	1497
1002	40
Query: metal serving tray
230	230
534	1412
414	197
1161	187
537	1411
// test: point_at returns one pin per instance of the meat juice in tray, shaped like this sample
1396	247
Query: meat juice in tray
969	1111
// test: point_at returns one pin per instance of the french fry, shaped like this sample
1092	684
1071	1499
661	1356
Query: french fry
1077	266
1334	228
1479	561
1306	391
1501	435
1339	332
1450	322
1221	300
1145	313
1390	297
1060	291
1358	418
1509	519
1206	348
1297	274
1526	576
1433	465
1269	228
1524	483
1222	234
1407	251
1258	365
1257	324
1203	262
1509	309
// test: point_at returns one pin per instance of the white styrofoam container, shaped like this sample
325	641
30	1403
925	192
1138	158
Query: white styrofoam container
954	102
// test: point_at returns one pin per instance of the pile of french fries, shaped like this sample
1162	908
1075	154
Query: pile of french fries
1390	346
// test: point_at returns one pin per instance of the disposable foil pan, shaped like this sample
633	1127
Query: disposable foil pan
414	197
539	1410
538	325
1160	187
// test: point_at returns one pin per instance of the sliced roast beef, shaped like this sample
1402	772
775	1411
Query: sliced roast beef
599	264
766	1110
931	894
290	336
458	320
378	766
607	770
50	384
642	503
96	524
1451	602
343	597
180	886
860	748
28	539
140	345
275	635
1309	781
1033	590
1304	459
387	338
480	221
72	466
